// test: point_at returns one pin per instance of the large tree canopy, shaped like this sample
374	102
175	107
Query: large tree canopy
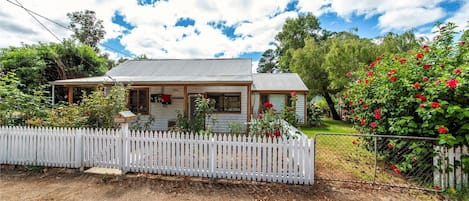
86	27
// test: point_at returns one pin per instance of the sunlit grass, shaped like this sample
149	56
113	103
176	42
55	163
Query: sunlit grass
330	126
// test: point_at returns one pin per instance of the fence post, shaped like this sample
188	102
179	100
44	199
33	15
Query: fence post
124	146
79	149
212	155
376	159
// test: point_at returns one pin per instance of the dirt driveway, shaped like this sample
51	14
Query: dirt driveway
17	183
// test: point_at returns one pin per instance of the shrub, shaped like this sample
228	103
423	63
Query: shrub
204	109
424	92
315	114
288	113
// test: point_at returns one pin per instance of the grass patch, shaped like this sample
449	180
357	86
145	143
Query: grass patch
330	126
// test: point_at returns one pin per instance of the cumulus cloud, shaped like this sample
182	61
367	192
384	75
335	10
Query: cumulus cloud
256	22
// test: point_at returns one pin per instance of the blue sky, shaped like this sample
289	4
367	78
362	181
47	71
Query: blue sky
221	29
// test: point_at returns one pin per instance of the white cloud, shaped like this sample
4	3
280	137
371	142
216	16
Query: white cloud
408	18
257	21
461	17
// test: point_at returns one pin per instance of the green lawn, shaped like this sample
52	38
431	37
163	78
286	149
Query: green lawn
330	126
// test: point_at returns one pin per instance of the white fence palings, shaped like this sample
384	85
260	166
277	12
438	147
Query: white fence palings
215	156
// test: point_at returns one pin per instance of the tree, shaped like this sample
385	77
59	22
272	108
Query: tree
268	62
293	35
323	65
395	43
86	27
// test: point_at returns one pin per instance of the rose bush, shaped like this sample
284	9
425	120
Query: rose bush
424	92
421	93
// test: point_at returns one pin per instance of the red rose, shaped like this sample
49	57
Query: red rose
390	146
392	70
370	73
377	114
372	64
426	48
365	106
442	130
354	142
437	188
268	105
366	81
348	74
393	78
425	79
422	105
359	81
435	105
277	133
293	93
396	170
373	125
427	66
416	85
452	83
419	55
457	71
437	81
267	134
461	43
402	60
362	121
260	116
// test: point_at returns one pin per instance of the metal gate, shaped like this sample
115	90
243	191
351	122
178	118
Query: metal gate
399	161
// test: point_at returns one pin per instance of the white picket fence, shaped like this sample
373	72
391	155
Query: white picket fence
452	174
213	156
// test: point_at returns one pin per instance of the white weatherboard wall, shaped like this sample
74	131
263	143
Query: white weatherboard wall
224	119
278	100
164	113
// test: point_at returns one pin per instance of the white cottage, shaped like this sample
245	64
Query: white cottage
163	87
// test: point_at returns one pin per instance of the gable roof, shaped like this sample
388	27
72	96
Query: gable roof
167	71
277	82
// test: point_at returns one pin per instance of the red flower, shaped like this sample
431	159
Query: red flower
268	105
427	66
419	55
365	106
359	81
366	81
260	116
396	170
452	83
354	142
370	73
442	130
267	134
393	78
435	105
425	79
461	43
372	64
377	114
293	93
392	70
442	65
348	74
390	146
414	159
457	71
437	81
362	121
422	105
402	60
416	85
426	48
373	125
277	133
437	188
352	110
421	97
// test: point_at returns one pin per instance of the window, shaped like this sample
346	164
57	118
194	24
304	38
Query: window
226	102
264	98
138	101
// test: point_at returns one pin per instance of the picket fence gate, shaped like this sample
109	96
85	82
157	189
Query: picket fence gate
214	156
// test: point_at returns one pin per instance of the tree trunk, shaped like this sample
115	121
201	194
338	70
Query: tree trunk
331	105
